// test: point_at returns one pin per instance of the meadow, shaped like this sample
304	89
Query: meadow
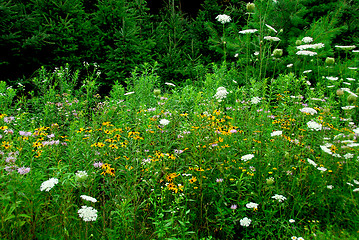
238	155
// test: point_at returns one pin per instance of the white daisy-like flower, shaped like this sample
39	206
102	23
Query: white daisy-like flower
356	182
351	79
248	31
275	39
293	238
223	18
276	133
252	205
271	28
308	110
307	40
255	100
323	169
245	222
278	197
164	122
310	161
306	53
351	47
88	198
88	214
356	190
348	156
291	220
247	157
314	126
330	186
49	184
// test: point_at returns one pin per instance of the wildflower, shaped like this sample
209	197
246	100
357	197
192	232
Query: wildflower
308	110
170	84
306	53
311	162
332	78
310	46
250	7
314	125
290	65
346	47
277	53
81	176
223	18
300	238
255	100
276	133
330	186
356	190
278	197
330	61
293	238
275	39
291	220
245	222
129	93
271	28
88	198
219	180
164	122
252	205
23	170
326	149
270	180
307	39
97	164
234	206
247	157
248	31
221	93
323	169
49	184
87	213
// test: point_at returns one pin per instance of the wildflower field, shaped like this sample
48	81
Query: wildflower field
238	155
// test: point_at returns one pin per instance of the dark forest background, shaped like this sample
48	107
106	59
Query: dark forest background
120	35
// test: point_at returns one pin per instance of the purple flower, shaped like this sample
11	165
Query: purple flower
10	159
8	119
23	170
221	180
97	164
25	134
234	206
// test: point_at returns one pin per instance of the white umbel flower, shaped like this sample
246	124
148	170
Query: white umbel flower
307	40
221	94
49	184
308	110
164	122
245	222
255	100
271	28
252	205
247	157
276	133
88	214
248	31
275	39
311	162
223	18
351	47
306	53
278	197
314	126
88	198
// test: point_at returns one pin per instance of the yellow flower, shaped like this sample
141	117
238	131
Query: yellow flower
192	180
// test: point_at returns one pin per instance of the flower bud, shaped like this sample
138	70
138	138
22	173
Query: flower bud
298	42
351	98
340	92
157	92
357	90
278	53
329	61
251	7
326	110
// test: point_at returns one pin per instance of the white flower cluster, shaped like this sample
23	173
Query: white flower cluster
255	100
271	28
275	39
346	47
280	198
311	162
248	31
221	94
87	214
252	205
88	198
247	157
164	122
307	40
306	53
308	110
276	133
245	222
49	184
223	18
310	46
314	126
